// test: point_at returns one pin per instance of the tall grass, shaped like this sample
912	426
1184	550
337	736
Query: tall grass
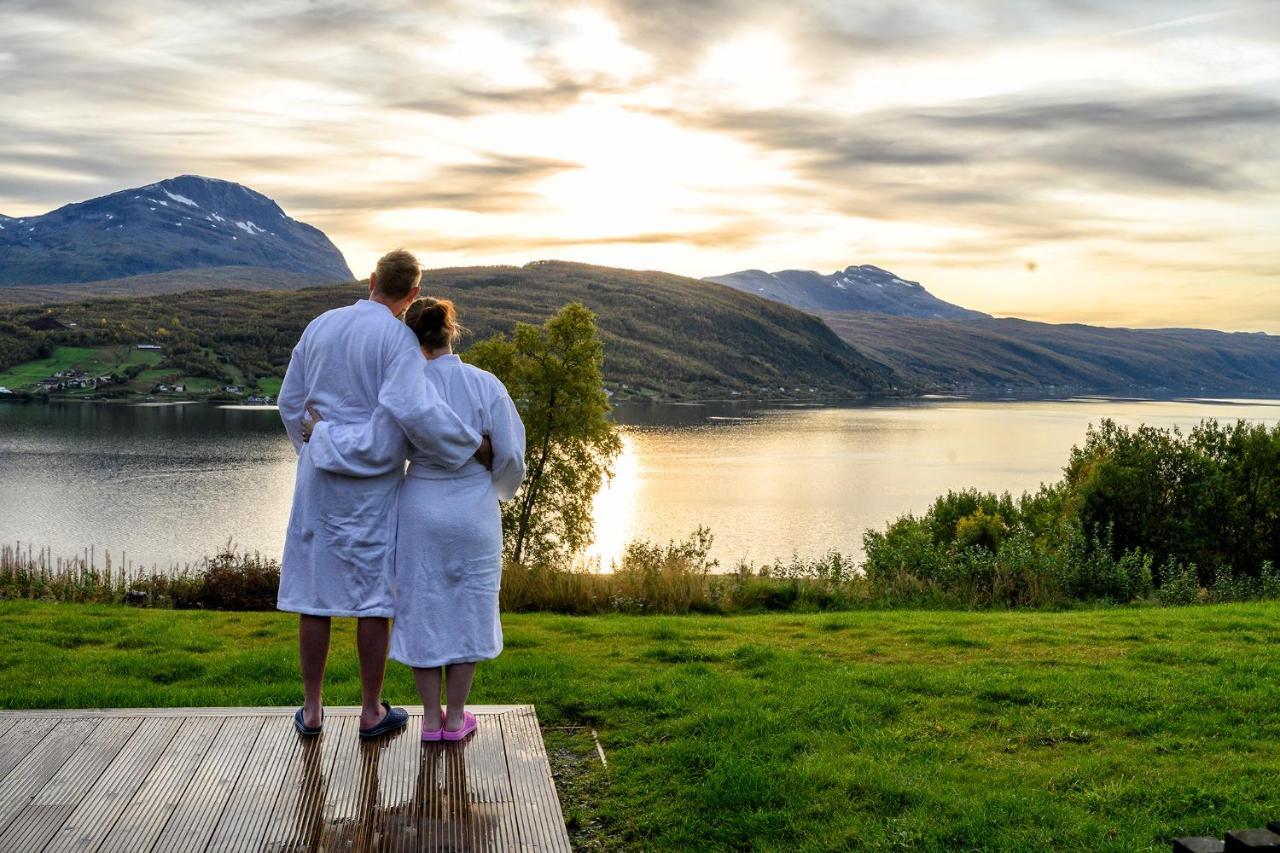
676	578
229	580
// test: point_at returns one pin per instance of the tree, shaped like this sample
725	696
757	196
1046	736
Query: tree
555	375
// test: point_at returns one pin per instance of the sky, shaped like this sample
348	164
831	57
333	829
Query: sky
1104	161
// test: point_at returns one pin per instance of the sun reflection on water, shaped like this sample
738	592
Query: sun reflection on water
614	508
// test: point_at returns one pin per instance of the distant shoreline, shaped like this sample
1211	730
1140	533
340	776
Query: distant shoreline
1229	398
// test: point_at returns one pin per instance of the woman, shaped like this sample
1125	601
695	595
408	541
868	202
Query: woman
448	563
449	539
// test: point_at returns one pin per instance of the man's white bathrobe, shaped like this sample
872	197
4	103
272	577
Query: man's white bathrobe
357	364
449	540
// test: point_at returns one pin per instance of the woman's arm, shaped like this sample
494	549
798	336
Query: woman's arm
506	431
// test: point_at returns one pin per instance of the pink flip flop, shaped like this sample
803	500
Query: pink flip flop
433	734
468	726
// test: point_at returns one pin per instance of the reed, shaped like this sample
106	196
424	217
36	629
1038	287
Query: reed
680	577
229	580
676	578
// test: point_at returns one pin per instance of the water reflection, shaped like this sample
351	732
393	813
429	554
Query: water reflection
369	808
169	484
771	483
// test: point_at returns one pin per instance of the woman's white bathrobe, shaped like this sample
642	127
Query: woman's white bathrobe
357	365
449	540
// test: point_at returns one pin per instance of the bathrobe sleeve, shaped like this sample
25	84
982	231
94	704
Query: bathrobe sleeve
427	421
366	449
409	409
292	399
506	432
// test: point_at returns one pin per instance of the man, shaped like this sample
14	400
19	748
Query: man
339	552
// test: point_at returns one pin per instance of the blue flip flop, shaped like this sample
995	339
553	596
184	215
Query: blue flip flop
303	728
394	720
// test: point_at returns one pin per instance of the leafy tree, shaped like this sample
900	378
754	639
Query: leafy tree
554	373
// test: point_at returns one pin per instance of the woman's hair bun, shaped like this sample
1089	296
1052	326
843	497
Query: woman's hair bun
434	321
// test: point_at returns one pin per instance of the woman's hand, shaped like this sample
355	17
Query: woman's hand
308	424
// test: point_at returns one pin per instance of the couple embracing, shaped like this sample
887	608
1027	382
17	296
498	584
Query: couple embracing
367	538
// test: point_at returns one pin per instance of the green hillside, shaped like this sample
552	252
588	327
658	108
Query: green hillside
664	335
991	355
175	281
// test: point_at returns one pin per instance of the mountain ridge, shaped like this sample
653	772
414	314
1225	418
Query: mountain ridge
863	287
1010	355
665	336
182	223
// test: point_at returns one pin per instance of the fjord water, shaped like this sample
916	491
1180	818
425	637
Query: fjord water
168	484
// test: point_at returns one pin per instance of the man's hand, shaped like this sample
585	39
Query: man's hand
484	455
308	424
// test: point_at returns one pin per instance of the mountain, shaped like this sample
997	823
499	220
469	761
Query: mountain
665	336
182	223
860	288
1021	357
937	346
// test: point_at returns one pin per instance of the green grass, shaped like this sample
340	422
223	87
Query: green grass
93	360
200	384
1109	729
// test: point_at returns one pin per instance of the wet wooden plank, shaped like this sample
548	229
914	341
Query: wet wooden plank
196	815
94	815
22	735
392	824
39	765
143	819
236	779
244	820
538	814
492	820
51	805
351	790
297	818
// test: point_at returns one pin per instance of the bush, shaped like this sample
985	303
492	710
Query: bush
234	581
1181	585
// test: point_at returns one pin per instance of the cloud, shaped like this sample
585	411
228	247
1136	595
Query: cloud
494	183
736	234
957	132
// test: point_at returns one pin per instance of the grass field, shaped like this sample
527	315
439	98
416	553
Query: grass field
93	360
1110	729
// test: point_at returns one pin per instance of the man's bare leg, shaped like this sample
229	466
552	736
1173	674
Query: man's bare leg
457	684
313	651
373	633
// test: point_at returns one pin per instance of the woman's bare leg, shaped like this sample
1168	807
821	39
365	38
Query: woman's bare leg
428	681
457	684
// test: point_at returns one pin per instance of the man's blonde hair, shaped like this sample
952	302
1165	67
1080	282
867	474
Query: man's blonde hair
397	273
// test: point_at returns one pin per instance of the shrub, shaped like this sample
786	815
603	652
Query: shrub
1181	584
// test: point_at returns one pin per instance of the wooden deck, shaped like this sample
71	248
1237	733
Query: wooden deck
174	779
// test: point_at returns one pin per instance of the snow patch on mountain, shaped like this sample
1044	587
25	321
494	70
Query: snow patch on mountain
855	288
181	199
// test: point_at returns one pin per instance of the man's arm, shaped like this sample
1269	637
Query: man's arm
366	449
425	418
